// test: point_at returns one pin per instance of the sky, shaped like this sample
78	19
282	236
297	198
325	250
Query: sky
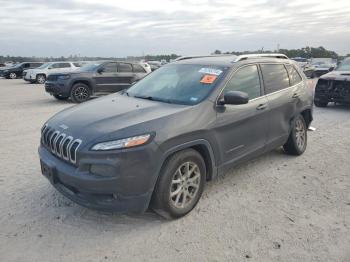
120	28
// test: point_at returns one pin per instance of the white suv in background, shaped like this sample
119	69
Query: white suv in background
39	75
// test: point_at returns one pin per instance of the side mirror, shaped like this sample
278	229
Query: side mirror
331	69
234	98
100	70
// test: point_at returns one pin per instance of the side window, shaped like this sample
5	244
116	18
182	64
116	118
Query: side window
110	68
56	65
275	77
124	68
246	79
63	65
139	69
294	76
26	65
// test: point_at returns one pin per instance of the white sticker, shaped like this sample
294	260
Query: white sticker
210	71
194	99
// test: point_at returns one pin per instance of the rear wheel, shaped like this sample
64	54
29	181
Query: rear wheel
40	79
80	93
58	97
13	75
180	185
297	141
319	103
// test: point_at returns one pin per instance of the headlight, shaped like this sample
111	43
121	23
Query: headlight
122	143
63	77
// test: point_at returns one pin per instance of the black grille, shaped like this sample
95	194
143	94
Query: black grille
60	144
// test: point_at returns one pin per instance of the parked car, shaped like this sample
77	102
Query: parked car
157	143
334	86
321	68
95	78
40	74
16	71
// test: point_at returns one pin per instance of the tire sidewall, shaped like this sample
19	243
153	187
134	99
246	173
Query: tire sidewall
293	133
74	88
166	176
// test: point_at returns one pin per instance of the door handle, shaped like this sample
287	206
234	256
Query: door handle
295	95
261	107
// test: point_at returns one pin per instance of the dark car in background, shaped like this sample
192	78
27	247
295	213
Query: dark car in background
94	78
16	71
158	142
334	86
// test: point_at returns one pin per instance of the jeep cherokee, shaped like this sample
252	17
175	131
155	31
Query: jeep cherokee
158	142
94	78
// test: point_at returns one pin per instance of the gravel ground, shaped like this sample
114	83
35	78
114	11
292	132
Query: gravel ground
275	208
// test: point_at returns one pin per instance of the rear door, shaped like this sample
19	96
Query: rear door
281	99
106	77
242	129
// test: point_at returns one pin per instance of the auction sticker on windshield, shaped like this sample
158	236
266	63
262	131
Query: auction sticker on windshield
210	71
208	79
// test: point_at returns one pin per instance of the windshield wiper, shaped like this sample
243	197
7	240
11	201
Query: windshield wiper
155	99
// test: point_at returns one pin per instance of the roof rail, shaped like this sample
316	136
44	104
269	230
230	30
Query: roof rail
272	55
200	56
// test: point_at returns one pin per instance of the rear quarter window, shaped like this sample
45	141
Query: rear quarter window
294	76
138	69
275	77
124	68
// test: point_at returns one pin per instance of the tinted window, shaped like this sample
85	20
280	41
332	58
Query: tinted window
110	68
245	80
139	69
294	76
57	65
27	65
275	77
124	68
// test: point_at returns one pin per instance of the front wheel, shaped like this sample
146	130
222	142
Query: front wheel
80	93
297	141
180	184
13	75
58	97
40	79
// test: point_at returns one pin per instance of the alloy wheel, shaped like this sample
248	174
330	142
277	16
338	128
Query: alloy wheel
185	185
81	93
300	134
13	75
41	79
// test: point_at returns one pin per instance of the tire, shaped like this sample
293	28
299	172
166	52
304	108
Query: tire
173	178
58	97
297	140
40	79
320	103
13	75
80	93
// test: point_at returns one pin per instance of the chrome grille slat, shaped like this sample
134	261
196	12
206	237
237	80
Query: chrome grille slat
60	144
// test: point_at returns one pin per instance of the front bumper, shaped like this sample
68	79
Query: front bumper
57	88
129	191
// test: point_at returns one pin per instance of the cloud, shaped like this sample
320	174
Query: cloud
121	28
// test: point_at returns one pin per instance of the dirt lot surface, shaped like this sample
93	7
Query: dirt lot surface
275	208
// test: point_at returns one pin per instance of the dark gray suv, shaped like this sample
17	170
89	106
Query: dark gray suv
158	142
94	78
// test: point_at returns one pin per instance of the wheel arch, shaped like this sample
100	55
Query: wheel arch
82	81
204	148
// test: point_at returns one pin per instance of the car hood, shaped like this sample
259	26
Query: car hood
112	117
337	75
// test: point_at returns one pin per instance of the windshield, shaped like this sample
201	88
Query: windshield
89	67
344	66
178	83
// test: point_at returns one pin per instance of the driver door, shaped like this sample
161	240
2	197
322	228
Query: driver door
106	77
242	129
